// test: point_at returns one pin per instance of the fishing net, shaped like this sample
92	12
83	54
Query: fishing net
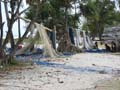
47	45
87	42
38	33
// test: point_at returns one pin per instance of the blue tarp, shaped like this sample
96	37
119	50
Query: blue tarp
71	34
96	51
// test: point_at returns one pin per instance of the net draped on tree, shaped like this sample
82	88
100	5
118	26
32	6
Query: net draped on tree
39	29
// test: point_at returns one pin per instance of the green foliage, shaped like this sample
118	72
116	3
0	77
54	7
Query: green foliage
99	13
52	12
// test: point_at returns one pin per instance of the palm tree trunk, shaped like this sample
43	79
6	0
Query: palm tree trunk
66	18
1	27
19	32
65	44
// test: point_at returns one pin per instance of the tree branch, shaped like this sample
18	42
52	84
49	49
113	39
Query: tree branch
18	7
17	16
24	35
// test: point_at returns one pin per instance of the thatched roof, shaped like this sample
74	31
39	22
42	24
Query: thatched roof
111	33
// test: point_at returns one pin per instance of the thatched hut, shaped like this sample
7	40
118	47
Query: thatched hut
112	34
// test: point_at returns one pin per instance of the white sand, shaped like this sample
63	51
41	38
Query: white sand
68	78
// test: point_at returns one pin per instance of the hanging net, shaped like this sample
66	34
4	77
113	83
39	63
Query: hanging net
38	33
47	45
87	42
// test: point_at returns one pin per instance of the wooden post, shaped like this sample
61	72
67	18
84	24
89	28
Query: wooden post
54	37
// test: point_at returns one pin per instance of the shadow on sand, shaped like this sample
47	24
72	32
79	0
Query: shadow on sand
92	69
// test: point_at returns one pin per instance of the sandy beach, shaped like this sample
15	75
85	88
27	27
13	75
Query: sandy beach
78	72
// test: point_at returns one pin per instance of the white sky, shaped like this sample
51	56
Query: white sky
15	26
117	5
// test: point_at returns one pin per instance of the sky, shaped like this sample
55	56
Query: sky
24	5
15	26
117	5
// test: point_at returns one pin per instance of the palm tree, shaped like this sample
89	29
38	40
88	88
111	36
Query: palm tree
98	14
